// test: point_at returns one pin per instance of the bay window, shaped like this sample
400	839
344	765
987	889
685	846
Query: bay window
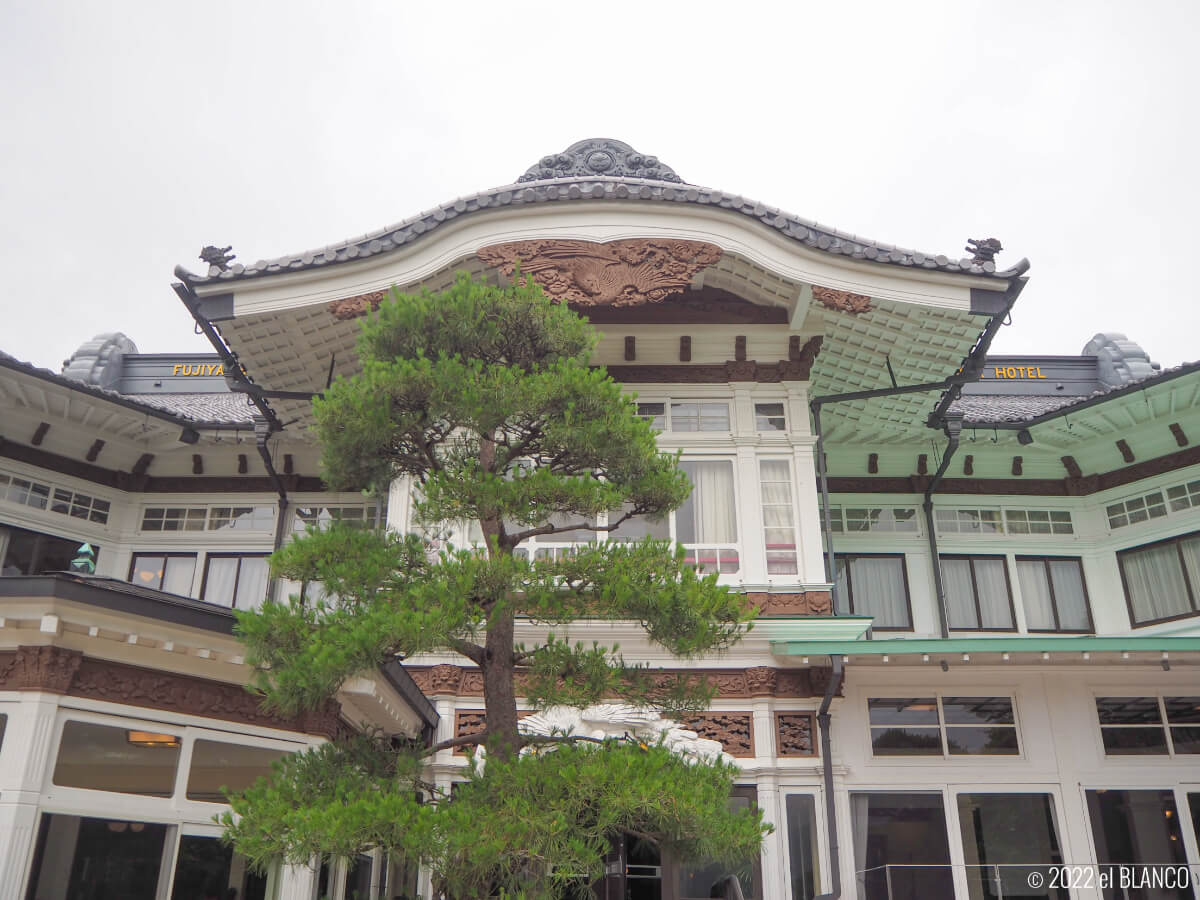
235	580
705	523
779	516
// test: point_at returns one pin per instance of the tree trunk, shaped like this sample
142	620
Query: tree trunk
499	690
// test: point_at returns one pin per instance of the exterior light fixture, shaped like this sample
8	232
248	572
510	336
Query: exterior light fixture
1024	437
151	739
189	436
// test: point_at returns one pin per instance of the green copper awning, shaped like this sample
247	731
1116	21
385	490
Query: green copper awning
1013	644
786	629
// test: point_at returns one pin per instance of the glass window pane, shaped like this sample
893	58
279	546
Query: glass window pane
908	832
903	711
1128	710
104	758
991	583
708	515
970	741
97	858
697	878
1186	739
208	869
1014	831
1141	741
977	710
638	527
217	765
1137	827
900	740
769	417
1034	580
1183	710
148	571
960	593
802	845
1070	596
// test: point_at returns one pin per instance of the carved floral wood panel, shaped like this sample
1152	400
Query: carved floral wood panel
794	734
734	730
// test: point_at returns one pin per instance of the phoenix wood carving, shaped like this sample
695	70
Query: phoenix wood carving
619	273
841	301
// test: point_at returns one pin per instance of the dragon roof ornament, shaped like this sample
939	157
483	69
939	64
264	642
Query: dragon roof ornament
599	156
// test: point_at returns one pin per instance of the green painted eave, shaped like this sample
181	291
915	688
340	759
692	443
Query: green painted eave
1015	644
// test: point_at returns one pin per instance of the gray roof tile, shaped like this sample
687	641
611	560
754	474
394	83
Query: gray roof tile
599	169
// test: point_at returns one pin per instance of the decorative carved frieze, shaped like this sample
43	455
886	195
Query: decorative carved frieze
600	156
756	681
794	734
50	669
733	730
841	301
468	722
799	603
64	671
619	273
360	305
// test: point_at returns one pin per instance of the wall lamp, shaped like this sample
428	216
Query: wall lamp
1024	437
189	436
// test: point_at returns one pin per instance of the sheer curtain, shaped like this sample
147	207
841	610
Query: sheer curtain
710	508
877	589
220	579
991	581
960	596
1035	595
252	582
1155	582
1069	594
860	806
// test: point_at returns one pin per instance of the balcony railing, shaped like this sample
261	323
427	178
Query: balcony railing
1030	881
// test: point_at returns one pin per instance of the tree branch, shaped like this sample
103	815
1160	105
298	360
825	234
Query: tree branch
465	648
478	737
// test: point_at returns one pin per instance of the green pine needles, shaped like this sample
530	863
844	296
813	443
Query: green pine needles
484	398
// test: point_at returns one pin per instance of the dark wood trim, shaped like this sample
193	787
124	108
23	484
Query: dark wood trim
685	349
127	481
1018	465
969	464
142	465
1177	431
243	465
39	434
1126	452
1043	487
94	450
873	463
197	464
706	306
923	464
630	348
1072	467
64	671
739	348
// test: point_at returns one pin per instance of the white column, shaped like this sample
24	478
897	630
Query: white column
774	874
24	759
297	883
399	504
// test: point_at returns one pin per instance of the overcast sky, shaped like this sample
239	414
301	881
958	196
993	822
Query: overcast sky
131	134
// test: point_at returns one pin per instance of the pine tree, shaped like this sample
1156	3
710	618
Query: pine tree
484	398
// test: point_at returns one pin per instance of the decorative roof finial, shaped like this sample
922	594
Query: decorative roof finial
218	256
600	156
983	251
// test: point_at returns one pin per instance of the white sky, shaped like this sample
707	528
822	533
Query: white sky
131	134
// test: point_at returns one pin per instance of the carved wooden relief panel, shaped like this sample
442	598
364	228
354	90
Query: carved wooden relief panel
734	730
794	734
841	301
619	273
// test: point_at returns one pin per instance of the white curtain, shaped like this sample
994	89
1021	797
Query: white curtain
177	577
1069	594
252	582
991	581
1035	595
220	579
1155	582
860	808
710	508
877	589
960	597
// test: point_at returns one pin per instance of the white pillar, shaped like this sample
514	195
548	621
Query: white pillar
24	758
774	875
297	883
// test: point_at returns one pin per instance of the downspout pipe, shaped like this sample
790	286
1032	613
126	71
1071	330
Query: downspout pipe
832	689
953	427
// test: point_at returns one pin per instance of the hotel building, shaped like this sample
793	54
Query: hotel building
978	576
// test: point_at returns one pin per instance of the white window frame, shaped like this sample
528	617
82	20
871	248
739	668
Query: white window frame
905	692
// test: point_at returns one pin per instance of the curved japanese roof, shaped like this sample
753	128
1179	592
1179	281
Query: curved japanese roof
599	170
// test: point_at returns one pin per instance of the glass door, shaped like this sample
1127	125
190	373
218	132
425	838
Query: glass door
87	858
207	869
